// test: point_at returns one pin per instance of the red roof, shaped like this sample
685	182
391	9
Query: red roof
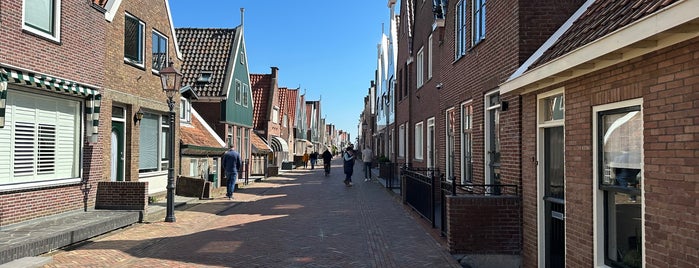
291	97
260	85
601	18
196	134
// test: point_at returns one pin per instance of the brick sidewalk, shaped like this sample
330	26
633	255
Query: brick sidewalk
299	219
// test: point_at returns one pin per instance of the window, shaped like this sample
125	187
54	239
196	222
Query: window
418	141
477	21
230	136
275	115
492	138
466	142
401	141
451	143
460	36
153	143
185	110
430	143
205	77
420	67
238	91
285	121
238	138
43	17
45	135
245	95
619	147
246	141
429	57
133	40
160	59
194	167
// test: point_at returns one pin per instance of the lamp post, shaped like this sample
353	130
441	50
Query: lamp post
170	79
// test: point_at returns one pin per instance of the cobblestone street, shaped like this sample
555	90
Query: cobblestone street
299	219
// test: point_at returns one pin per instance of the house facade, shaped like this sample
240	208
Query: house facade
609	112
50	110
268	116
223	86
288	101
133	94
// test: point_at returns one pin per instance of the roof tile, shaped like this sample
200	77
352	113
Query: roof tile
205	50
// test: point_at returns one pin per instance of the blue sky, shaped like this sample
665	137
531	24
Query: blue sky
328	48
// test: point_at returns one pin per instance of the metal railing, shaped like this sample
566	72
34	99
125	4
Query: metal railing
419	190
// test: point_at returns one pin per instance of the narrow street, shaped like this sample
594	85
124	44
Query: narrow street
298	219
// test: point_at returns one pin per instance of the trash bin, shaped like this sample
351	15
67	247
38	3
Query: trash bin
287	165
213	179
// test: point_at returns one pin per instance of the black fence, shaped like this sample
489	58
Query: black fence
420	191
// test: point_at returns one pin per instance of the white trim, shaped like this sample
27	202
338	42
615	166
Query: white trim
540	180
680	13
419	143
448	164
552	40
38	184
430	139
597	195
167	50
112	7
143	42
207	127
463	140
56	20
486	133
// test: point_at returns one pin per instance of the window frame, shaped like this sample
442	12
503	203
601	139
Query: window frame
450	143
600	229
489	129
238	91
161	150
185	110
55	33
460	28
77	137
141	42
466	122
420	68
275	114
478	21
401	141
429	57
161	37
419	126
244	95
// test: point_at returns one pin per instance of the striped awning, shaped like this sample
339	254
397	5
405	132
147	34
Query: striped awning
279	144
53	84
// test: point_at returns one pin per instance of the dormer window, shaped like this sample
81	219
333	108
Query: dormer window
205	77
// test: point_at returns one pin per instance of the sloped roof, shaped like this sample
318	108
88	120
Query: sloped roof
291	95
601	18
260	85
206	50
199	138
259	145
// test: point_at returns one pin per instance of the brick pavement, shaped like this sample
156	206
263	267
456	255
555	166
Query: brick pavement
298	219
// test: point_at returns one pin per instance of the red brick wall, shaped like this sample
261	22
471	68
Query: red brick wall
668	82
483	224
124	195
78	58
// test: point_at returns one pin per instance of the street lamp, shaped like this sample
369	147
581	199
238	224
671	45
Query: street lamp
170	79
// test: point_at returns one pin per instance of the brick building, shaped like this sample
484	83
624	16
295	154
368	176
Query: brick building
51	81
609	114
142	42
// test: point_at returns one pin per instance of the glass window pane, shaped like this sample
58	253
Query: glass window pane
148	143
117	112
553	161
622	145
133	39
554	108
623	224
39	14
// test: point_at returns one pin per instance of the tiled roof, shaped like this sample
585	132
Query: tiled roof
196	134
601	18
260	84
101	3
205	50
259	145
290	105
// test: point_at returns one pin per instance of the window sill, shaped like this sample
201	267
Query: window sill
151	174
134	64
53	39
24	186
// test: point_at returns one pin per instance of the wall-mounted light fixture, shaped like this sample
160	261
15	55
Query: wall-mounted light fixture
138	116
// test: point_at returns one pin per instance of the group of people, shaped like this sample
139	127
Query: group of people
232	164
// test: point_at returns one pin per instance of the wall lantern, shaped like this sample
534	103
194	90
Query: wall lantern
138	116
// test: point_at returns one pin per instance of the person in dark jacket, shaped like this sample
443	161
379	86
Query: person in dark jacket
231	165
348	159
327	157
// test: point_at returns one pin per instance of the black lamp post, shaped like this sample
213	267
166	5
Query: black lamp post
170	79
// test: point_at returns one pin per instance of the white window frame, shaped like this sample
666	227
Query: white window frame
54	35
488	178
420	66
71	139
478	29
285	120
460	28
429	57
429	139
185	110
275	114
161	149
466	126
142	42
541	213
598	210
401	140
153	46
237	91
418	140
244	95
448	162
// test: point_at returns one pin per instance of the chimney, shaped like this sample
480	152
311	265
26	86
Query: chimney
242	16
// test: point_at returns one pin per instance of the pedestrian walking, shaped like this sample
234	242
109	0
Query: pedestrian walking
314	159
305	160
348	159
327	157
366	158
231	165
